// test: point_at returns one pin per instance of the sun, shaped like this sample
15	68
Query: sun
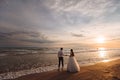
100	39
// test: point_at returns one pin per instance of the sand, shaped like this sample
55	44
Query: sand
100	71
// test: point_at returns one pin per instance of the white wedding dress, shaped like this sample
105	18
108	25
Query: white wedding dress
73	65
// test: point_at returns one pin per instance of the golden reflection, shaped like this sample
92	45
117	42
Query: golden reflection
101	49
102	52
105	60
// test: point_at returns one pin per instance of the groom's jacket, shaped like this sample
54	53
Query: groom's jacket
60	53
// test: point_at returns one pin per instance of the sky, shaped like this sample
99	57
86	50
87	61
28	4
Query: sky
56	23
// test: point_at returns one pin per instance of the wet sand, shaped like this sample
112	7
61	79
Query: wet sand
100	71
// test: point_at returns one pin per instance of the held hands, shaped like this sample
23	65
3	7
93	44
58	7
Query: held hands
66	55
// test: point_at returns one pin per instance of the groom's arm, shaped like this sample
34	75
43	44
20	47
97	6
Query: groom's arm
65	55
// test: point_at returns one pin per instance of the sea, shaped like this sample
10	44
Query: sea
17	62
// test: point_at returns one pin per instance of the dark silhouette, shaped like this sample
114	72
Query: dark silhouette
72	53
61	59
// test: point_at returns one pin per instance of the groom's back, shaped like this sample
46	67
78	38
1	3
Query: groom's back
60	53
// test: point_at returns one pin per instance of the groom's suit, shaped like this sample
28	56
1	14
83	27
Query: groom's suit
60	57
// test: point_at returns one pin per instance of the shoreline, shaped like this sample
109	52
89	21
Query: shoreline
98	71
14	75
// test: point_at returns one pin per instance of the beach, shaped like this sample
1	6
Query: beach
100	71
39	36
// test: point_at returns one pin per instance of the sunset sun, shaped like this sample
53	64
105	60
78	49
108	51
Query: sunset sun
100	39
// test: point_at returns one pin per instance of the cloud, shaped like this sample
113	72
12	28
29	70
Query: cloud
116	39
46	21
33	37
85	7
78	12
112	14
77	35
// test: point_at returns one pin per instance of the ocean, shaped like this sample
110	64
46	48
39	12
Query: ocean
16	62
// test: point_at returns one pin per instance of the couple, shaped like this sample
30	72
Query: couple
72	65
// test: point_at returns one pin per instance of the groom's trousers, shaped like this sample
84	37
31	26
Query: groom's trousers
61	60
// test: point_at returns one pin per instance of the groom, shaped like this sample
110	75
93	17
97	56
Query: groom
61	58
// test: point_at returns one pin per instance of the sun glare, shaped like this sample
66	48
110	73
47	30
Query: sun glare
100	39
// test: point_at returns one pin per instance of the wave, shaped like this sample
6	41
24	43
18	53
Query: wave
1	55
13	75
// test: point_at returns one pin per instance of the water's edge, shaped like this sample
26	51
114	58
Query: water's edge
13	75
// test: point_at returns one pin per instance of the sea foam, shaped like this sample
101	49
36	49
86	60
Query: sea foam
13	75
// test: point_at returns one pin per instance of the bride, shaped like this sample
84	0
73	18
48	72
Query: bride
72	65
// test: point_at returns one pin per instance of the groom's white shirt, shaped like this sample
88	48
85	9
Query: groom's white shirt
60	53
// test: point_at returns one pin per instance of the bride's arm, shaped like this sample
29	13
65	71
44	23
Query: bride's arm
70	55
66	55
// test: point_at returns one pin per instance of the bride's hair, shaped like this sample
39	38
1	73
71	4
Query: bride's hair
72	53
